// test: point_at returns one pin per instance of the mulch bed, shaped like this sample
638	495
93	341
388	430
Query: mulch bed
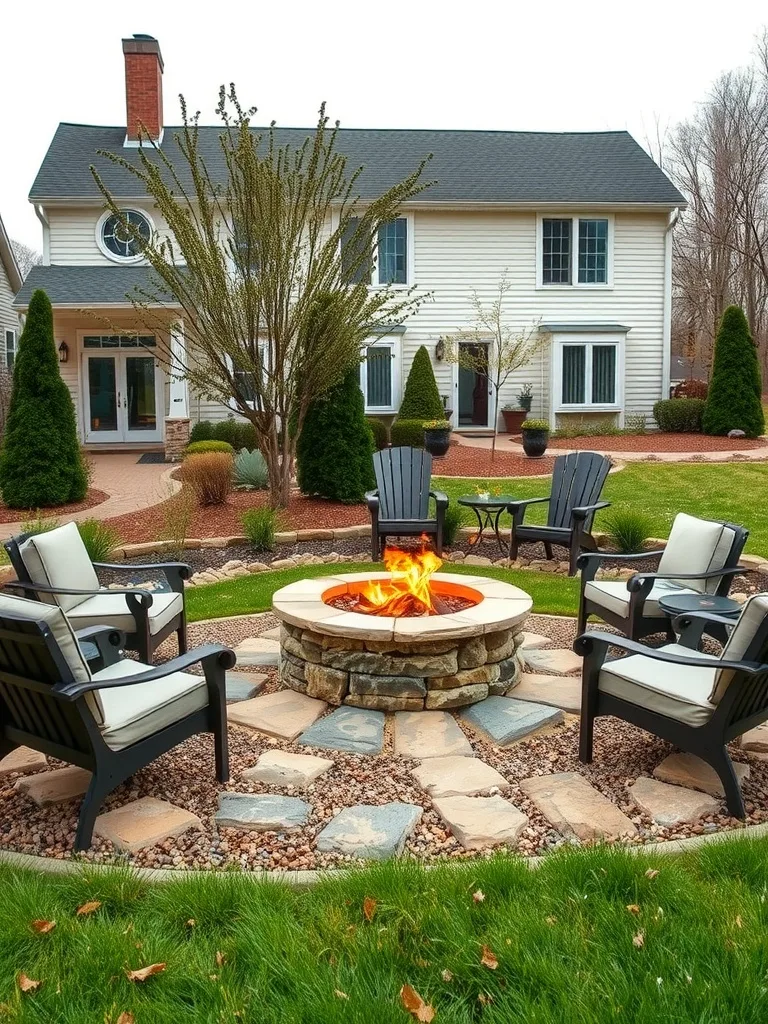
466	460
658	442
19	515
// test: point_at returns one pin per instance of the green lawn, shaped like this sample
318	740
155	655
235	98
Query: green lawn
731	491
592	937
551	595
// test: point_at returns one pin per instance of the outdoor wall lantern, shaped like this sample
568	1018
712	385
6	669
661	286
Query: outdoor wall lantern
440	350
63	352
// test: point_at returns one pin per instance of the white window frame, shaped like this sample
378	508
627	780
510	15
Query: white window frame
410	250
232	404
589	340
393	344
574	218
122	261
15	334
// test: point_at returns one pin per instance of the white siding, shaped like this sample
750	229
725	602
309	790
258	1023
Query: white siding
9	318
73	234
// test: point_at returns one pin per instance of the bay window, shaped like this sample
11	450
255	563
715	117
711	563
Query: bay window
574	251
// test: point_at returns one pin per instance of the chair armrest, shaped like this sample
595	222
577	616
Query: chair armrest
636	582
175	572
107	641
513	506
582	511
220	653
372	500
441	498
584	644
144	595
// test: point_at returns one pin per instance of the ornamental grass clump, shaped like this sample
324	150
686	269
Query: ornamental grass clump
260	526
99	539
209	476
734	397
629	529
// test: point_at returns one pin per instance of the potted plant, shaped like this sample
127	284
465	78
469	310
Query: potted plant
525	397
513	418
437	437
535	438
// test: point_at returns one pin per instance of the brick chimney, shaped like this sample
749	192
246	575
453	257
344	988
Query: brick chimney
143	86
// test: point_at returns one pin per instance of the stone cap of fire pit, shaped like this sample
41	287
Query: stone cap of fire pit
500	606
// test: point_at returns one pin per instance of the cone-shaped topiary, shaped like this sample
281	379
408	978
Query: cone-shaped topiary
734	397
334	453
40	463
421	400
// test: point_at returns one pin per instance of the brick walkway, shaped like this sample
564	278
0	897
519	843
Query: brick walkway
130	487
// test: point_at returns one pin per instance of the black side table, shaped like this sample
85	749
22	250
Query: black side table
488	512
678	604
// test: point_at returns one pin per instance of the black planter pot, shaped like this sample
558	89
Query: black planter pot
437	442
535	442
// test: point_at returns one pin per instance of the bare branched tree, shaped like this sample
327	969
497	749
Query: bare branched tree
26	256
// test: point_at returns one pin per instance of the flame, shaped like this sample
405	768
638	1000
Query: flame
408	593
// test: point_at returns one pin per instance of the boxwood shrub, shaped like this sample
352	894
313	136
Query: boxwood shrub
679	415
203	447
407	434
380	433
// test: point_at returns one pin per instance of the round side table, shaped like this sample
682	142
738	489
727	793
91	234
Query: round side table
488	512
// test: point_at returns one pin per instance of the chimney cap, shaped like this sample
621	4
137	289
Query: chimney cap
141	42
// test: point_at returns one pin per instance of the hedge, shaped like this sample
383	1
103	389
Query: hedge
203	447
679	415
407	434
380	433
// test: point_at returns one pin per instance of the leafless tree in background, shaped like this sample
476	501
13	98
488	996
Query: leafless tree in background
26	257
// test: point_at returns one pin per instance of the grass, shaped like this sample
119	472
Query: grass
552	595
241	952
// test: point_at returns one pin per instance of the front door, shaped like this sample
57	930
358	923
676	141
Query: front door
123	397
472	386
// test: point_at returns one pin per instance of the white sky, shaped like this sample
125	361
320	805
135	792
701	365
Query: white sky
553	66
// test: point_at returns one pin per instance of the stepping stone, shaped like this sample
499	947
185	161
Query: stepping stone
503	720
755	741
280	768
262	813
243	685
533	641
22	759
258	651
144	822
425	734
374	833
284	713
55	787
357	730
479	822
271	634
575	808
671	805
557	691
458	776
689	770
557	661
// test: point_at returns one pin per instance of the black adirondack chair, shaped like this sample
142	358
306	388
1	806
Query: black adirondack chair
577	481
694	700
50	701
399	506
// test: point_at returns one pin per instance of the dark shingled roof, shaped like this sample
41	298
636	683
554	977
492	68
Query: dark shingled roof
86	286
467	166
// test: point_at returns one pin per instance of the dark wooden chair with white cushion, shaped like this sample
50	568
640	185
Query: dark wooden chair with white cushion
697	701
55	567
701	557
399	506
111	722
577	482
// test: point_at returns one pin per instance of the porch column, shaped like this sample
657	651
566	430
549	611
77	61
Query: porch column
177	421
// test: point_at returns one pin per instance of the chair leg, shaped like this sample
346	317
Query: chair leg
181	635
92	801
374	545
586	732
548	550
720	760
513	546
573	556
581	624
221	751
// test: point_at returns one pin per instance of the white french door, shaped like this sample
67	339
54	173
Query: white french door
123	396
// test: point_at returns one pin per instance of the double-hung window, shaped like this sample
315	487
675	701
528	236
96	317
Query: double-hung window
378	380
392	264
10	348
587	373
575	251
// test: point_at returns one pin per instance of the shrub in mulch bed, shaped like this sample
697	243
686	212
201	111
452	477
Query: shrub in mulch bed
19	515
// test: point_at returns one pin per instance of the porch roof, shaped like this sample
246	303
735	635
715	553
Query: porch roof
86	287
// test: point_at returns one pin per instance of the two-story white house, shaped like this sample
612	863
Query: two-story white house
580	222
10	282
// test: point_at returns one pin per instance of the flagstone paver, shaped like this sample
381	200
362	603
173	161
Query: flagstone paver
689	770
504	720
271	634
374	833
556	661
355	729
244	685
144	822
755	741
284	713
479	822
22	759
458	776
281	768
671	805
266	812
426	734
533	641
56	786
562	692
574	807
255	650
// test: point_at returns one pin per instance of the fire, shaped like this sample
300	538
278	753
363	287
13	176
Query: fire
408	593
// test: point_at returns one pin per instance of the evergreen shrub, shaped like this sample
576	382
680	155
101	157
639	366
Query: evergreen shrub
202	431
407	434
202	447
421	399
380	433
734	398
679	415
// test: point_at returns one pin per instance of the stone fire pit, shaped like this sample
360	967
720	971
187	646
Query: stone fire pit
400	664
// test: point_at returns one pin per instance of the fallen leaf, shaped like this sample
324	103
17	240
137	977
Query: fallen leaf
138	945
191	922
43	927
651	873
128	928
88	908
484	998
213	977
144	972
421	962
638	940
446	975
551	919
738	922
633	908
478	896
339	994
27	984
488	959
126	1018
369	908
220	959
415	1005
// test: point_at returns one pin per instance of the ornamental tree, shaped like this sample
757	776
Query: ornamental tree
256	235
421	399
40	462
734	396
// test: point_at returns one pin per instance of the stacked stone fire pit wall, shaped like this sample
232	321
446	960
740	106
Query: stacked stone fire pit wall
393	676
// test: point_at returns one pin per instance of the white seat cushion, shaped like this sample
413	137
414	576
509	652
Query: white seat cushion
108	609
132	713
677	691
59	559
614	596
740	641
696	545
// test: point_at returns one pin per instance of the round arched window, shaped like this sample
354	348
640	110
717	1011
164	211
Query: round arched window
126	235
